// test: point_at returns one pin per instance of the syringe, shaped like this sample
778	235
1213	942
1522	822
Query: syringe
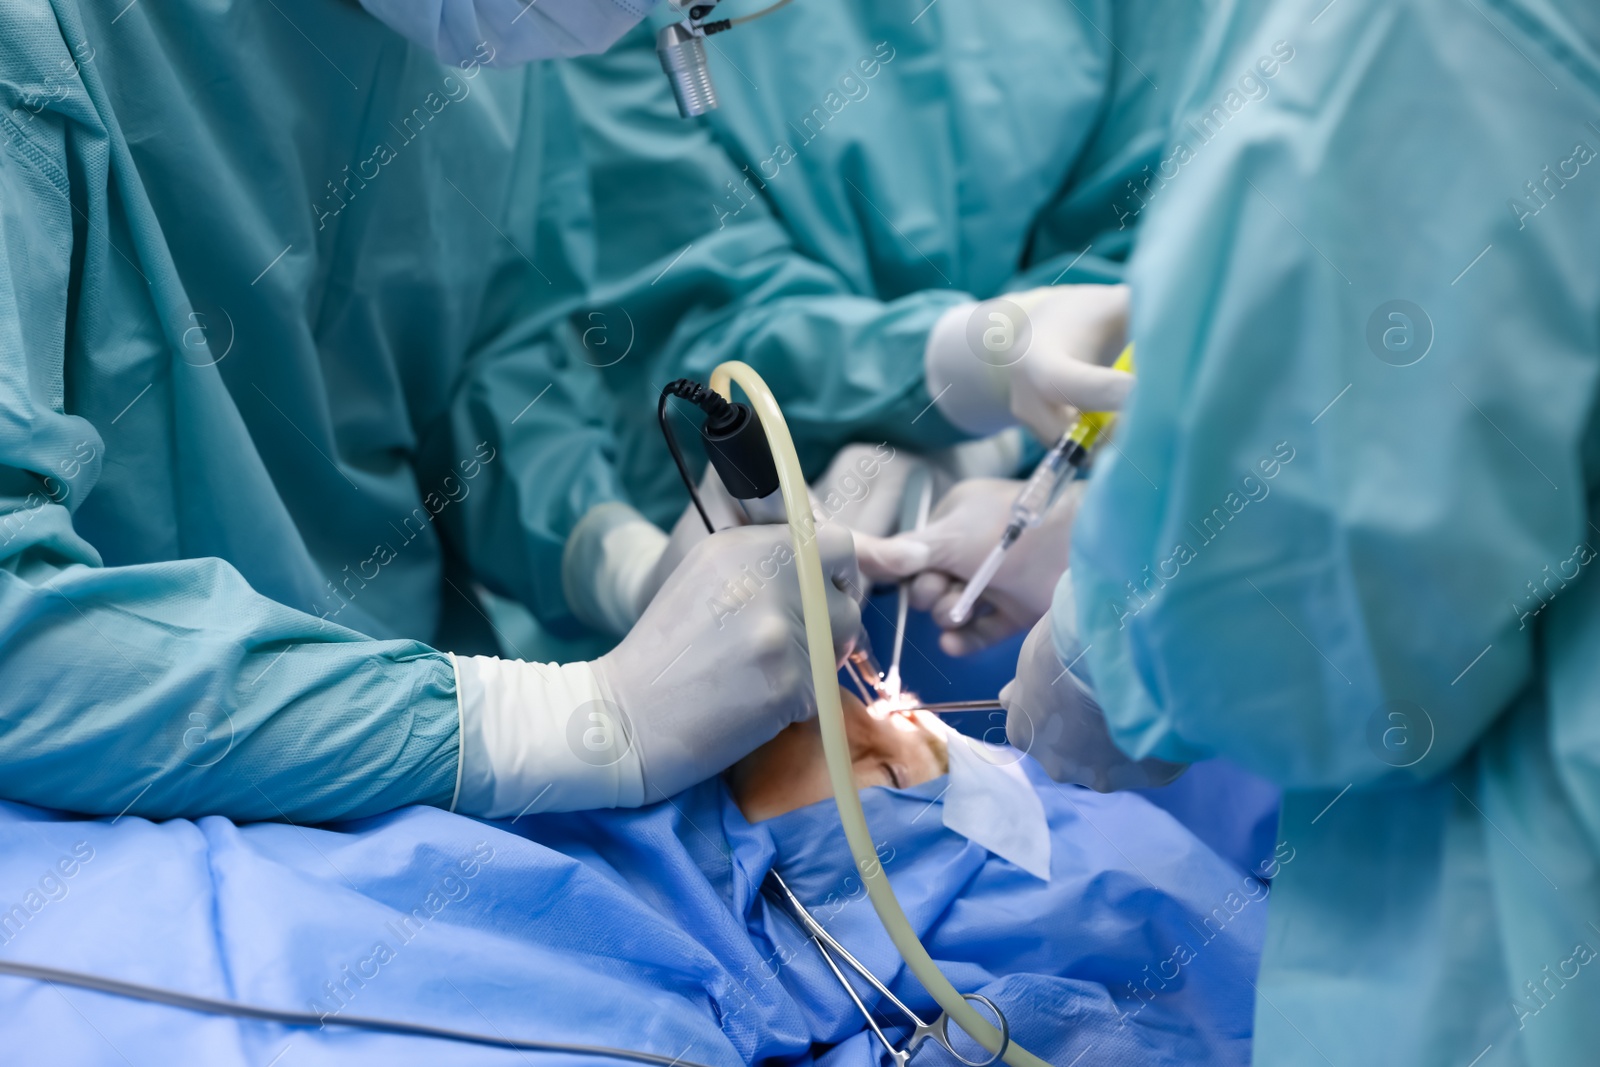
1069	454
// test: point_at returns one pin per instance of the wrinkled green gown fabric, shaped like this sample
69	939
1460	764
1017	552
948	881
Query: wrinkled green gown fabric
1347	537
272	283
870	166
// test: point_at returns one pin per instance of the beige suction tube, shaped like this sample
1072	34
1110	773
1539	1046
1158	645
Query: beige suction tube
835	744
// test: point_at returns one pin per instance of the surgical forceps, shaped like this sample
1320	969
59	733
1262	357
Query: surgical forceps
938	1030
860	667
951	706
915	503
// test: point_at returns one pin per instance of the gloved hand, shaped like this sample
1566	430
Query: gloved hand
864	486
1038	357
963	529
1052	715
714	668
608	566
616	559
690	529
860	490
614	564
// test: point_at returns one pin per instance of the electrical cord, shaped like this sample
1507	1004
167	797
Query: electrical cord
718	412
830	716
212	1006
719	25
763	13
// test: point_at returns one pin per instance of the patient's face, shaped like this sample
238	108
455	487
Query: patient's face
790	772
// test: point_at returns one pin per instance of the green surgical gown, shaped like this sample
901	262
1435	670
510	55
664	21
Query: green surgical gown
1348	536
871	165
277	393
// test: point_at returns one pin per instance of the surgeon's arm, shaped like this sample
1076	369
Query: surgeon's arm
701	278
172	688
697	254
1352	489
793	317
544	420
847	367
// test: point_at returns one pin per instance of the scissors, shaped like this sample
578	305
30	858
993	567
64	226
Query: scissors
937	1031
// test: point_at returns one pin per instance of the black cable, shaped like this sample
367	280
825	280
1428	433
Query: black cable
727	24
677	457
717	410
212	1006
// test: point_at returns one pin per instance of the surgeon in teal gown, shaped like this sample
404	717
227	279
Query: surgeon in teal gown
1348	536
193	265
279	398
871	168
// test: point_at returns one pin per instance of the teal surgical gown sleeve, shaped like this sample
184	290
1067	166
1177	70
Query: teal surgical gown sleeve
818	224
530	393
1347	537
168	687
868	170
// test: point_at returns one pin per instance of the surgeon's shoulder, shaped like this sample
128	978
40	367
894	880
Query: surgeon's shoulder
42	94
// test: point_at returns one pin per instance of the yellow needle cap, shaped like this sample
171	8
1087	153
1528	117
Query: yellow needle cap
1091	424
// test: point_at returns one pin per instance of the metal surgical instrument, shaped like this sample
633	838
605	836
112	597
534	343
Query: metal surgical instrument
951	706
915	503
681	48
173	998
862	669
938	1030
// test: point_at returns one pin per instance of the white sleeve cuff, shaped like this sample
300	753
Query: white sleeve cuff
972	395
541	737
606	566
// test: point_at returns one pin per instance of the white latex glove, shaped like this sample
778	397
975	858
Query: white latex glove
864	486
1053	716
860	491
615	559
613	568
690	529
965	526
1037	357
715	668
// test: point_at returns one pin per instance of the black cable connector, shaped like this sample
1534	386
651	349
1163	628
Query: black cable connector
700	11
734	440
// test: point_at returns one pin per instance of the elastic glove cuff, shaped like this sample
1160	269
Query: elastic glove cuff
541	737
606	566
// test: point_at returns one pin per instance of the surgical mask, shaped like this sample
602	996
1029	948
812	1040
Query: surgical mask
507	32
